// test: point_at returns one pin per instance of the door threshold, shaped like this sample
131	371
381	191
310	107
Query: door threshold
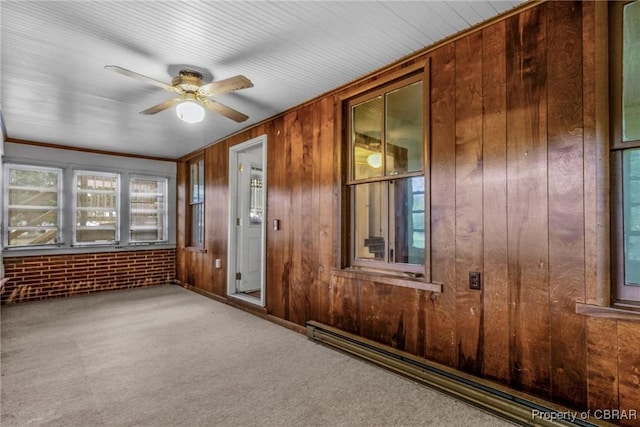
247	298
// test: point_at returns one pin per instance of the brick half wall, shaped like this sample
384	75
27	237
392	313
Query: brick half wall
49	276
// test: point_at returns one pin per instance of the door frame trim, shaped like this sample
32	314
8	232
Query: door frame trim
231	232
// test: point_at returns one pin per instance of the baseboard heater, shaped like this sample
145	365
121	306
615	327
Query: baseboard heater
488	396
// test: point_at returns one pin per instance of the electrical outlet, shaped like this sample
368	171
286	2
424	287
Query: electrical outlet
475	280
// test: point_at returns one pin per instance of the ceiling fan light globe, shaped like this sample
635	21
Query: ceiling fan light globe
375	160
190	112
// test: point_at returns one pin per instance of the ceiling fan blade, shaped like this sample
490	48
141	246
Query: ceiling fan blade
137	76
224	86
162	106
225	111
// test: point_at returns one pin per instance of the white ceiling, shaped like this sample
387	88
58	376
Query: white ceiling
54	88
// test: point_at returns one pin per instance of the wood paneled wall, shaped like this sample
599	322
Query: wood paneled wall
517	193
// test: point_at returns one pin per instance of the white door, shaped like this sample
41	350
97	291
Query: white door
247	185
249	222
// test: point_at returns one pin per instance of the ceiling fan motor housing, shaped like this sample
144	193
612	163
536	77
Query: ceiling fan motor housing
188	80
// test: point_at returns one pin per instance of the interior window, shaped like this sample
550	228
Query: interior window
33	206
625	154
387	183
96	209
148	209
196	202
631	188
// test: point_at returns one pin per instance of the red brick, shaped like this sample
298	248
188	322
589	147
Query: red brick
39	277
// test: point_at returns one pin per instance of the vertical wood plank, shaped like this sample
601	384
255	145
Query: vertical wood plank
468	202
496	281
327	207
602	371
421	335
217	190
345	306
181	201
441	318
276	210
389	315
298	301
194	269
590	154
529	353
629	370
287	224
596	154
566	203
309	209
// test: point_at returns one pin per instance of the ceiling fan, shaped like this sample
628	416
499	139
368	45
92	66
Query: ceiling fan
192	94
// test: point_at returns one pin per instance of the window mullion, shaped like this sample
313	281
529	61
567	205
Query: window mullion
390	223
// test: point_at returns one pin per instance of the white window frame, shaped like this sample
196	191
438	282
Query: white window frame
8	167
76	174
164	209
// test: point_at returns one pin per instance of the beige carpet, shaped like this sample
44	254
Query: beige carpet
165	356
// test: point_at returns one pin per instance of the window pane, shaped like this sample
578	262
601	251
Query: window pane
366	139
408	220
255	196
418	220
631	73
631	186
96	207
197	224
201	180
369	221
193	179
404	134
33	212
195	234
418	198
197	181
148	210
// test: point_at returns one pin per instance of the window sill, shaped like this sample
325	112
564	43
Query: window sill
388	279
195	249
613	313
